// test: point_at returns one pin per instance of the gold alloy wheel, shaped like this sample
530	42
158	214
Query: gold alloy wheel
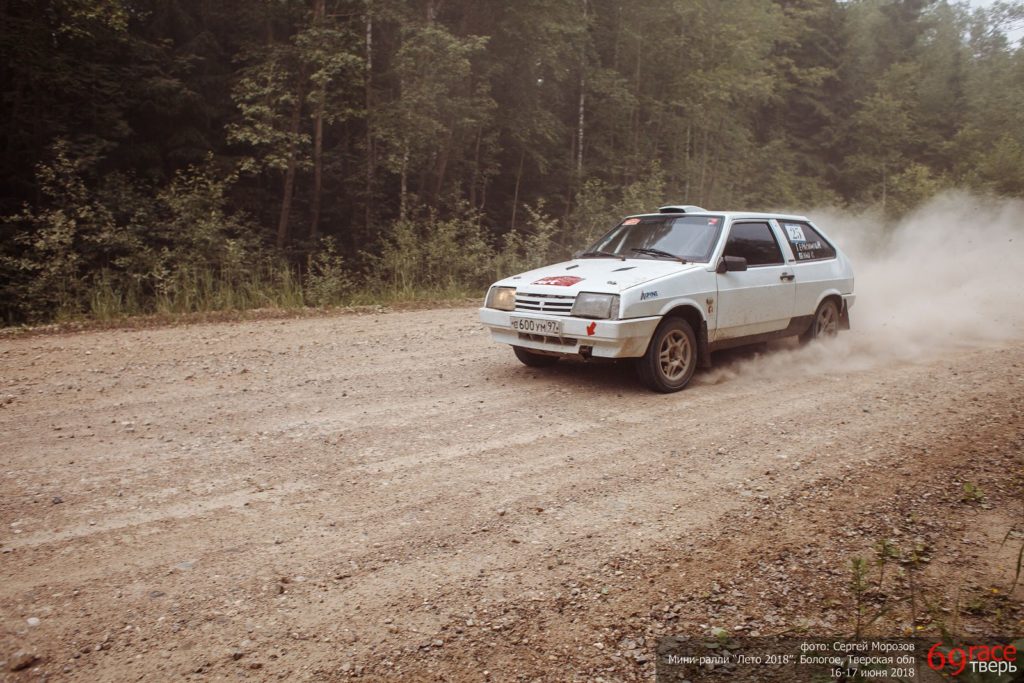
675	354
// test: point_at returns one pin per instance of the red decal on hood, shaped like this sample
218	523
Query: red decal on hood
559	280
591	328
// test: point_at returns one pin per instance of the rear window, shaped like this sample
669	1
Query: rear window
807	243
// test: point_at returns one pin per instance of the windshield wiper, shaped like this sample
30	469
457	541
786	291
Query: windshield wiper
604	254
658	252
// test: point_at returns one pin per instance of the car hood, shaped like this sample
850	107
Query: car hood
594	275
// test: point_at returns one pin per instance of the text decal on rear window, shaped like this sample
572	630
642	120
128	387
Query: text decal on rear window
807	243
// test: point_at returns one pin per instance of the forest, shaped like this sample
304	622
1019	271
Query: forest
172	156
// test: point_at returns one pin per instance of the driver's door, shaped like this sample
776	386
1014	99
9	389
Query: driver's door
761	298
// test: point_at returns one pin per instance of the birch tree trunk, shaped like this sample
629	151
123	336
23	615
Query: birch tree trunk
289	174
515	195
403	195
292	167
318	135
370	162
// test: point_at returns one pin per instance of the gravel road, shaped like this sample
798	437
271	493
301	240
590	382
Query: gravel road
392	496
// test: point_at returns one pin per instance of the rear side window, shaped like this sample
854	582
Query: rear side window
754	242
807	243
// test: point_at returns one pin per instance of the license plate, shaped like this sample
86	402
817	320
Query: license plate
551	328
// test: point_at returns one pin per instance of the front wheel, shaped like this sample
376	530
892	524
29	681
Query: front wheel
825	324
534	360
671	357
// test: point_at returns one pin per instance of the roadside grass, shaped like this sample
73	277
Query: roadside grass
450	262
903	599
119	311
190	291
898	597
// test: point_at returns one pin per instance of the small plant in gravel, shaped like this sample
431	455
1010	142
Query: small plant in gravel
873	600
864	592
1020	558
859	586
885	550
977	605
911	562
972	493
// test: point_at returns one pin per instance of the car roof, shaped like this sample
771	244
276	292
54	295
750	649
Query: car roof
726	214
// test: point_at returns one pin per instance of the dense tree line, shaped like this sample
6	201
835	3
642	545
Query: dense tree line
184	154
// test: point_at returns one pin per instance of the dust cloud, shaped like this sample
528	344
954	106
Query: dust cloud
948	276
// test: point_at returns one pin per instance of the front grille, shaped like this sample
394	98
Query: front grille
552	304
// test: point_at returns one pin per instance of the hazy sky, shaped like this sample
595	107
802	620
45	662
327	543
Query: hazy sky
1016	34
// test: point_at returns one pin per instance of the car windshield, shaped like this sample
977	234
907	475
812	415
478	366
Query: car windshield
692	238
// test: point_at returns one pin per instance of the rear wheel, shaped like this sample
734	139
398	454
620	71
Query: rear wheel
671	357
534	360
825	324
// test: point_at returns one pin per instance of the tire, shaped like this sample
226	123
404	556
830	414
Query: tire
534	360
671	357
825	324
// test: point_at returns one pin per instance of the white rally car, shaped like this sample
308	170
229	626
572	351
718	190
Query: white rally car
668	288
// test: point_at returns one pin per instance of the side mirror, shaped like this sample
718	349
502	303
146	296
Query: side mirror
731	264
576	254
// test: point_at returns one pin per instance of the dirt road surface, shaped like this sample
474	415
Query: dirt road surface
393	497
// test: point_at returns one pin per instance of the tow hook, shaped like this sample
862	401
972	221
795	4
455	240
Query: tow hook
586	352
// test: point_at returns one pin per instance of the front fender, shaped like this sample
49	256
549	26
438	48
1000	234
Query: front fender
672	304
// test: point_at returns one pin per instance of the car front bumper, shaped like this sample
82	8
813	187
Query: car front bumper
601	338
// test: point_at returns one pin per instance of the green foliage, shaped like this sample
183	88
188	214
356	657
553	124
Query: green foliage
433	254
328	280
152	150
1018	567
83	16
456	256
437	101
600	206
267	284
80	251
59	242
521	250
876	599
266	96
593	214
972	493
335	66
643	194
911	187
859	587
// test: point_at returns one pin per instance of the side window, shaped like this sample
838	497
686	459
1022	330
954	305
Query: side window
754	242
807	243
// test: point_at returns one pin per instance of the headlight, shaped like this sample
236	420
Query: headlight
600	306
501	298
